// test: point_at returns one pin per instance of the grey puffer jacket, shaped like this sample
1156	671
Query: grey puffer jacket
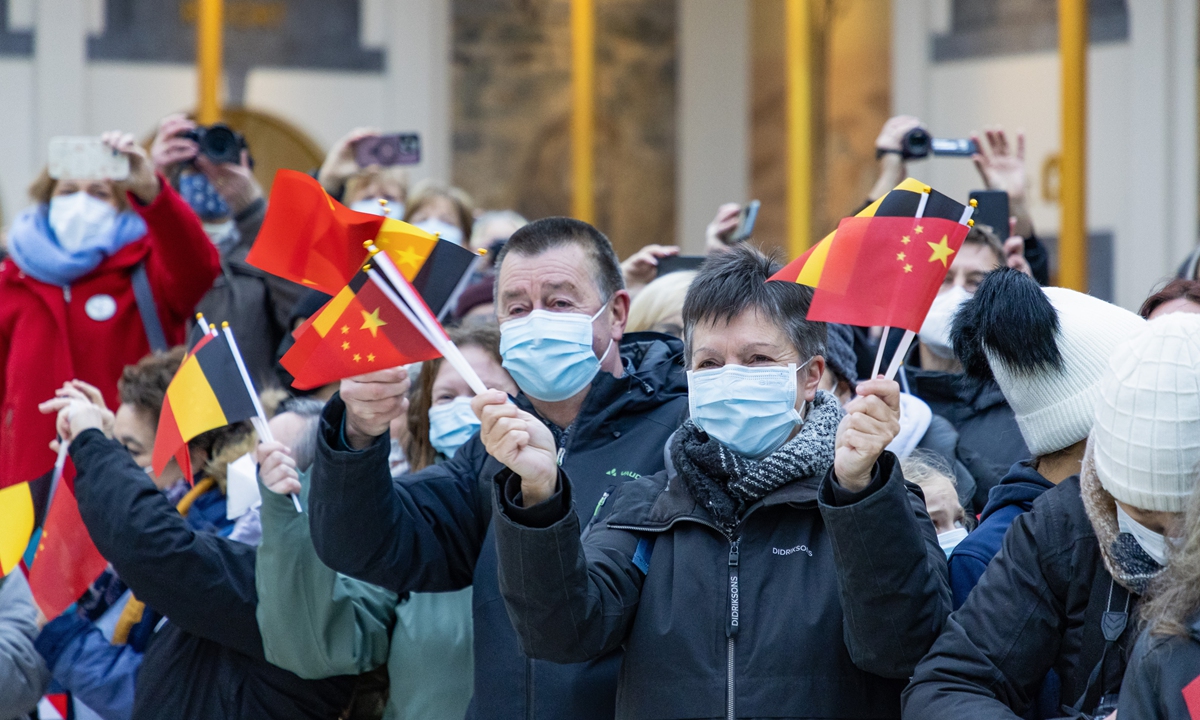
23	673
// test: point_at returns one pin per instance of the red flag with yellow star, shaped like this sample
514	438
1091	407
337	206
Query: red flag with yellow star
358	331
885	270
67	560
310	238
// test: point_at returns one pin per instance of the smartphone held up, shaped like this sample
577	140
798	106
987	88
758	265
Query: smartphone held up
85	158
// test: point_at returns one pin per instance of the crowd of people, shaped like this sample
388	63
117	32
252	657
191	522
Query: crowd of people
678	498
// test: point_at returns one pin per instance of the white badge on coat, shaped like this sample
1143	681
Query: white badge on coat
100	307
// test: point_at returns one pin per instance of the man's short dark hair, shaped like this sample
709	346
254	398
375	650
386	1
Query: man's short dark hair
540	235
732	282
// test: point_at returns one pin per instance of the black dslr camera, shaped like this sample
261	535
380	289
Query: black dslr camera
218	142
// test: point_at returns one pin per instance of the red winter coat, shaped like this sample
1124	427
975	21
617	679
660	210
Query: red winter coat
47	337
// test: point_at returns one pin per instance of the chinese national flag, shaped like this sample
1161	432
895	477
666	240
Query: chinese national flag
67	561
310	238
358	331
885	270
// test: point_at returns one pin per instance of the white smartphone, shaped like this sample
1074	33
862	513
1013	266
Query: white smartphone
85	158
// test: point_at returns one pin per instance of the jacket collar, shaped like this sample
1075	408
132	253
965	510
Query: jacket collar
654	375
936	387
673	503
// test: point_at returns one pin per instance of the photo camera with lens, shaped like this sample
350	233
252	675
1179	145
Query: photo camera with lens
219	142
918	143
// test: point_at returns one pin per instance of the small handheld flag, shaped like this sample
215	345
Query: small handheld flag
884	265
207	392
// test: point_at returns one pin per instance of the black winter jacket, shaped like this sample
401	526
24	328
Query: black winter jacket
1161	682
207	660
989	441
1038	607
431	531
819	606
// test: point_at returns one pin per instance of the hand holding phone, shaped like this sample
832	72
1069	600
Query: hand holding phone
747	216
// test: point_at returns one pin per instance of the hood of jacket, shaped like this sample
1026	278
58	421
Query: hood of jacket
949	394
1021	486
654	375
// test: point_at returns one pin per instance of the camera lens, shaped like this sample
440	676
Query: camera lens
916	143
221	144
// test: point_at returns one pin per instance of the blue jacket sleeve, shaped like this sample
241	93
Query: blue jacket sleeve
95	671
421	533
965	571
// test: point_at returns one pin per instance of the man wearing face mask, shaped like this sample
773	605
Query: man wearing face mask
231	206
1063	593
609	399
989	440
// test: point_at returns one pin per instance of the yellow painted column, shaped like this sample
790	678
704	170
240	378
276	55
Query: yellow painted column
799	61
210	27
583	109
1073	240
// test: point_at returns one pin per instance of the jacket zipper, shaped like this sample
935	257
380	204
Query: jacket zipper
731	626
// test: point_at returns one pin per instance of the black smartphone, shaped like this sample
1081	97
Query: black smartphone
992	211
387	150
675	263
746	219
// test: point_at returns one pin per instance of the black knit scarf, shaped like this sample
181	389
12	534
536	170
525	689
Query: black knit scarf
727	483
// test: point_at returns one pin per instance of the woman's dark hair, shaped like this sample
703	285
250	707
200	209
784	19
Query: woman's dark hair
734	281
417	449
1174	596
1178	288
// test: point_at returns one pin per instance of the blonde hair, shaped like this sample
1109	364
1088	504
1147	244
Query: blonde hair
393	175
428	189
661	299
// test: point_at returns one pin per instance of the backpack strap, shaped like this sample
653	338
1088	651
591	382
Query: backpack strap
1112	625
148	309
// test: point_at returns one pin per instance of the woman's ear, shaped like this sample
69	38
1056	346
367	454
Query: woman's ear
810	378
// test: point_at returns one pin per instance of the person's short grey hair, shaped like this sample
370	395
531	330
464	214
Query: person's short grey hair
986	235
516	219
304	449
541	235
731	282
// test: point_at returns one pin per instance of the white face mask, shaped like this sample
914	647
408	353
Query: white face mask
220	233
950	540
1155	544
935	331
372	206
445	230
79	217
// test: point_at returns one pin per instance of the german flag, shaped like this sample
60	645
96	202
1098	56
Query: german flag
901	201
884	266
206	393
358	331
310	238
16	524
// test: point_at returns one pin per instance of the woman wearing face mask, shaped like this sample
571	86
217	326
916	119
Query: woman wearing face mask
70	307
738	581
318	623
441	209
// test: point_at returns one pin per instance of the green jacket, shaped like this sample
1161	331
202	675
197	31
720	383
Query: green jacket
319	623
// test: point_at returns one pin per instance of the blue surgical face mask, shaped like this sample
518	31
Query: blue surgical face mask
442	229
451	425
550	354
204	199
750	410
372	206
950	539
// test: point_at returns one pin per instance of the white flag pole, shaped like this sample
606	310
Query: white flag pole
260	417
901	353
411	306
60	462
879	353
